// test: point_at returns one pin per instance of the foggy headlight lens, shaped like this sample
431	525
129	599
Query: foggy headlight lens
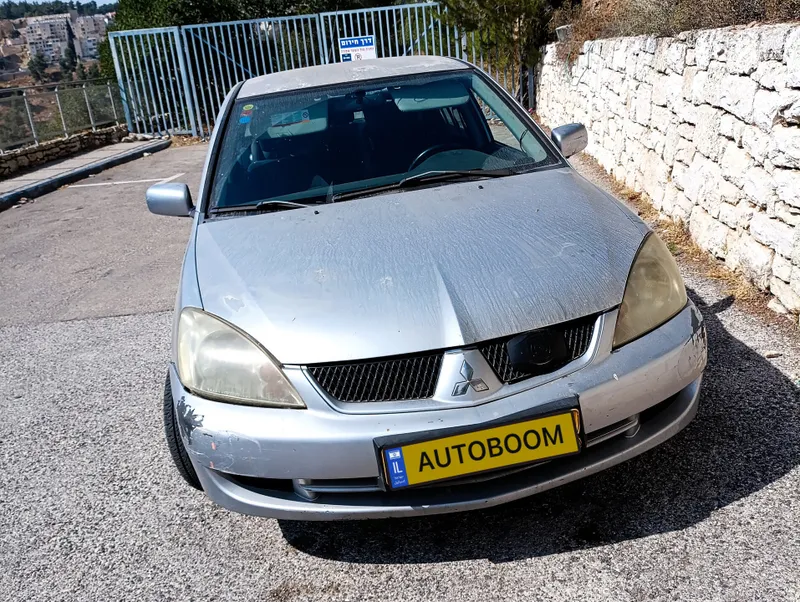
654	292
217	361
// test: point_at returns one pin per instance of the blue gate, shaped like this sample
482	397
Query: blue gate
172	80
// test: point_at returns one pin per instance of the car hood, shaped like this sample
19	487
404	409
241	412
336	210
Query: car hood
424	269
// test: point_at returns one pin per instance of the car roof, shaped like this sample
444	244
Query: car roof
342	73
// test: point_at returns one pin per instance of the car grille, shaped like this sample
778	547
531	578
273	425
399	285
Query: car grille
387	379
577	336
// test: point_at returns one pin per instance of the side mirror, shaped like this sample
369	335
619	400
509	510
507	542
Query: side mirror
570	139
170	199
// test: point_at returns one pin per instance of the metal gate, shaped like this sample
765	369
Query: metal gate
173	80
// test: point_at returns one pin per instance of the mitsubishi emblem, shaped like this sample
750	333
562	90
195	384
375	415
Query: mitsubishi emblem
463	386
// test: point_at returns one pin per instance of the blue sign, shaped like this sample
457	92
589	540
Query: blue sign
358	48
396	467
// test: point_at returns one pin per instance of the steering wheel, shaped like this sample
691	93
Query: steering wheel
433	150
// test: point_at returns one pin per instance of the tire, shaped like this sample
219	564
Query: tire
176	449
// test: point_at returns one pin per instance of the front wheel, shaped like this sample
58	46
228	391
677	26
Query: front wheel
176	449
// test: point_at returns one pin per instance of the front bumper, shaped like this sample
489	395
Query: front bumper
244	456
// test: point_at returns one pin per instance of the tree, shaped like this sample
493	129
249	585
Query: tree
80	72
37	66
93	72
518	27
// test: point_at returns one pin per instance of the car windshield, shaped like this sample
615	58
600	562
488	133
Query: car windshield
315	145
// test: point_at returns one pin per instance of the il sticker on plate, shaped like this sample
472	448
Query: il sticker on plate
396	467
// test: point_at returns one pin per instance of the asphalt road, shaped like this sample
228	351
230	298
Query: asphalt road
92	509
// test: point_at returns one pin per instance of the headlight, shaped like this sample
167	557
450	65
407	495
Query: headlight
654	292
218	361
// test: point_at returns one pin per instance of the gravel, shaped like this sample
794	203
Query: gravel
92	509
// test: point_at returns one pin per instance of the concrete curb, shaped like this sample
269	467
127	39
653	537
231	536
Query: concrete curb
37	189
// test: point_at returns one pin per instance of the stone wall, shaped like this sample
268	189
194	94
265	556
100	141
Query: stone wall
707	124
33	156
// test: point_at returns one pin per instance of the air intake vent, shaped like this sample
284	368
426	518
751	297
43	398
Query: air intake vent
387	379
576	335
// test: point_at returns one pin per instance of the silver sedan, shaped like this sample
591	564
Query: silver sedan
398	298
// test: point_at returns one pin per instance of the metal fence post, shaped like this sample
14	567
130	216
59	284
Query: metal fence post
113	105
120	81
30	117
189	95
464	53
61	112
88	108
322	39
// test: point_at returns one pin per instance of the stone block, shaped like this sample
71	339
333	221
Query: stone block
685	151
671	140
788	298
620	54
641	103
706	134
791	56
771	108
731	127
787	214
771	41
655	175
771	75
736	95
743	51
680	175
661	119
685	112
734	163
782	268
728	215
706	83
704	48
667	204
708	233
759	186
686	130
702	184
687	82
786	149
753	259
682	209
757	143
644	66
676	57
773	233
744	213
787	186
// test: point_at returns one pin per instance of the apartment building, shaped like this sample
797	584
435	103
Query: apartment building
89	32
48	35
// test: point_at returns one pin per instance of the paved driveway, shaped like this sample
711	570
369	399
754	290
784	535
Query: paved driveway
91	508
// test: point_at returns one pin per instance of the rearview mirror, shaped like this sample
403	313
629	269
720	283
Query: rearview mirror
570	139
170	199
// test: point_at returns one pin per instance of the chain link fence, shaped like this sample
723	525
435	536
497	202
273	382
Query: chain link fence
36	114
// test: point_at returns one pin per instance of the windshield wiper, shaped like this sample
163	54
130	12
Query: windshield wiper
269	205
426	178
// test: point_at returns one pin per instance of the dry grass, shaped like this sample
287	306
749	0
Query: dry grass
610	18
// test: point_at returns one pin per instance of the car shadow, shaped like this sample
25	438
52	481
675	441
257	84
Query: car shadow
745	436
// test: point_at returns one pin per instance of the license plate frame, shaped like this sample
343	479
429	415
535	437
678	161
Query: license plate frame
559	409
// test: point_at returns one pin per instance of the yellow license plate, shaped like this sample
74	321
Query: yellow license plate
482	450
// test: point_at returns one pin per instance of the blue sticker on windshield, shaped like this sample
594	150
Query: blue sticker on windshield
245	119
396	467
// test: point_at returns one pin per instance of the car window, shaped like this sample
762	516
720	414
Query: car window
307	146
